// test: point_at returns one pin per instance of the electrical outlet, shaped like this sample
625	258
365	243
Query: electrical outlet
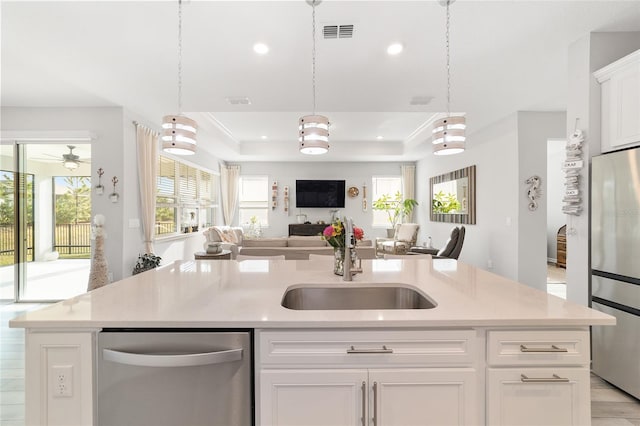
489	264
61	380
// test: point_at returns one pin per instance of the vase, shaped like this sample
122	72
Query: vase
338	260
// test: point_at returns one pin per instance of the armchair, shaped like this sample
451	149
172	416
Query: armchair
404	238
451	249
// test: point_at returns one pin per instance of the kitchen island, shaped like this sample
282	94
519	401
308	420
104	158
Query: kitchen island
490	351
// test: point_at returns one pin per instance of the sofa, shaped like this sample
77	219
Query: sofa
293	247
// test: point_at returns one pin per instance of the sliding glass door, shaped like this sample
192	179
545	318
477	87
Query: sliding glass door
45	201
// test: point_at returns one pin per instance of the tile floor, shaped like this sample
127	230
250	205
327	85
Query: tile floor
56	280
609	406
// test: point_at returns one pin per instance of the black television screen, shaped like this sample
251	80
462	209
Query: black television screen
319	193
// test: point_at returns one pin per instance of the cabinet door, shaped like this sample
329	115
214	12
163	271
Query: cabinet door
439	397
312	397
624	106
545	400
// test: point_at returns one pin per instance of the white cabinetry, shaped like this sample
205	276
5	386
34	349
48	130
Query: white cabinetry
312	397
368	378
538	378
620	98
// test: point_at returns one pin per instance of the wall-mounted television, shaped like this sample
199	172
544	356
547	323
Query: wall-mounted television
319	193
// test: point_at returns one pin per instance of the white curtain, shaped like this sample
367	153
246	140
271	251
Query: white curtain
229	182
147	141
409	186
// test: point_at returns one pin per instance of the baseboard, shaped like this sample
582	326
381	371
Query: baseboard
550	260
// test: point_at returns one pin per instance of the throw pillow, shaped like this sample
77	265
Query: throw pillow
229	236
213	235
406	231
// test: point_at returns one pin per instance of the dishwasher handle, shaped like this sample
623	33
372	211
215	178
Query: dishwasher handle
182	360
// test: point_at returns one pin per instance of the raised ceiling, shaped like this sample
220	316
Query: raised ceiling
506	56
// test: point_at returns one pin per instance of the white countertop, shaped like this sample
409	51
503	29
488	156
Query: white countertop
230	294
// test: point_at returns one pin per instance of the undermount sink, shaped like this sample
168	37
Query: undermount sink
348	297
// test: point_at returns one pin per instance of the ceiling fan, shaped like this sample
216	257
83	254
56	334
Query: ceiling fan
71	161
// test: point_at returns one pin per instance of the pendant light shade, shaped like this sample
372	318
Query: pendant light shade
313	129
313	134
449	132
179	132
449	135
179	135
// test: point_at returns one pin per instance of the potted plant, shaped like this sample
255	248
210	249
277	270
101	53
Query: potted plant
396	208
145	262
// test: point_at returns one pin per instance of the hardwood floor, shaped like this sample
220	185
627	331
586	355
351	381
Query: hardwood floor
609	406
612	407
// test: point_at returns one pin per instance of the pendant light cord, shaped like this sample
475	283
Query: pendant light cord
448	65
313	53
180	57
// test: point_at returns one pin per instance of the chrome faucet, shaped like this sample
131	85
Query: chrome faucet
349	245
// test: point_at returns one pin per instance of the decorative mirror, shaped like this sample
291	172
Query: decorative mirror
453	197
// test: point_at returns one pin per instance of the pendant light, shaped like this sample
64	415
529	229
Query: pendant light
449	132
179	132
313	130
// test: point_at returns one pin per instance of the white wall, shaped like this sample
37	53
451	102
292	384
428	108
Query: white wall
587	55
355	174
494	238
556	154
534	129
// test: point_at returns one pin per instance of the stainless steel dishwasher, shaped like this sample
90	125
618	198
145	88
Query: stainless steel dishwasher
159	377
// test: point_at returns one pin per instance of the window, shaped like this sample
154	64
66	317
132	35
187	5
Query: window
389	185
254	200
186	198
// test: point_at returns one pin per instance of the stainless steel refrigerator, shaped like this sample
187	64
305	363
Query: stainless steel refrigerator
615	266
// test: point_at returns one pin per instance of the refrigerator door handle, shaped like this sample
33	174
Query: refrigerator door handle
182	360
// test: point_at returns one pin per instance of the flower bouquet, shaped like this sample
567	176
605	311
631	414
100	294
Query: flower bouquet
334	234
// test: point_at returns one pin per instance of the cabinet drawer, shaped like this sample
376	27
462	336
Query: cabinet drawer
538	347
352	348
538	396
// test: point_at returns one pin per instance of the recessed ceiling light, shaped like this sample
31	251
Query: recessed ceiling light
394	49
261	48
379	137
263	137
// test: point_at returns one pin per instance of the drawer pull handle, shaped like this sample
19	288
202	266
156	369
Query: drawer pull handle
553	348
384	350
375	404
554	379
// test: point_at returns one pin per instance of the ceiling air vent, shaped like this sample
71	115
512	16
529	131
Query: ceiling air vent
421	100
338	31
239	100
